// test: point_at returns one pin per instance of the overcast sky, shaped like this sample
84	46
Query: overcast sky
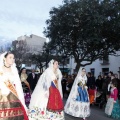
20	17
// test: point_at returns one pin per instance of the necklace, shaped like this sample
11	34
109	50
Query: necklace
7	67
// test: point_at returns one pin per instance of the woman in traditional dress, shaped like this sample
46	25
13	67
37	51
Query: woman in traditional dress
25	85
12	104
46	101
78	104
113	105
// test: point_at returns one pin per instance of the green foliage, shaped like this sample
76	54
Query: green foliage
42	60
85	29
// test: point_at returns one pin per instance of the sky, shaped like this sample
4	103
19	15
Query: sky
24	17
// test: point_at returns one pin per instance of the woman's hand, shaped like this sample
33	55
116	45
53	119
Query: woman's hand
27	83
86	87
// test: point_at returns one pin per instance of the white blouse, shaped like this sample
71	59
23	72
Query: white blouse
3	78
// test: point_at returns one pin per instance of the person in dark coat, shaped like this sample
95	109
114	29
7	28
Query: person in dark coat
64	82
32	79
91	80
99	83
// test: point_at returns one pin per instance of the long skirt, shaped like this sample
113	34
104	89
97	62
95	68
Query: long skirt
11	108
55	102
54	109
116	110
91	95
92	99
27	93
80	106
109	106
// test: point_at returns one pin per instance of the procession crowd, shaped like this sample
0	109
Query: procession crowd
40	97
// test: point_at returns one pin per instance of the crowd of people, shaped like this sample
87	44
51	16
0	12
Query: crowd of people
100	91
26	97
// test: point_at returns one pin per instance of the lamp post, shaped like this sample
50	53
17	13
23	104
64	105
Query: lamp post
71	65
64	57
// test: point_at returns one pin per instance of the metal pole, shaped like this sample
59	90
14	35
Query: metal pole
63	64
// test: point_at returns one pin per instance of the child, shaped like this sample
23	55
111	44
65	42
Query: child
113	107
92	94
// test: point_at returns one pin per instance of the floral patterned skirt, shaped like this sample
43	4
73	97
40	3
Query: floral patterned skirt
78	109
53	110
116	110
37	114
109	106
79	106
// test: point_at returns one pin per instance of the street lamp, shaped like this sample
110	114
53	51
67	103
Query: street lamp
64	57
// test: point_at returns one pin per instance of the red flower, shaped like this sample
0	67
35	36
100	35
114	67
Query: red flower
42	112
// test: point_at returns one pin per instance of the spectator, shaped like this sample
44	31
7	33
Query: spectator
90	81
99	83
64	81
32	79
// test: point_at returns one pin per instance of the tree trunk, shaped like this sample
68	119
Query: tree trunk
77	67
40	67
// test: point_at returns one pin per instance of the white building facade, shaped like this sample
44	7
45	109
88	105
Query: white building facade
34	45
100	67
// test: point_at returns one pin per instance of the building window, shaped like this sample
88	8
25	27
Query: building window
92	70
105	71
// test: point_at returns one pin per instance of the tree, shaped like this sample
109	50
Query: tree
85	29
19	49
42	59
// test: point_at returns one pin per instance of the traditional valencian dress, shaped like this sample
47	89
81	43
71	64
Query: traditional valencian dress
78	104
113	109
46	101
12	106
26	88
